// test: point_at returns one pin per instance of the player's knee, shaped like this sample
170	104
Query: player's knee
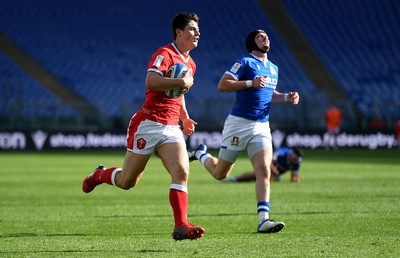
220	175
181	174
126	185
263	173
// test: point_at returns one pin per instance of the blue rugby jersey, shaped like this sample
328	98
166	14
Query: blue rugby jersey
281	155
252	103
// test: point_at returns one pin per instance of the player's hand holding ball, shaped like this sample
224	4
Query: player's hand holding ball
179	71
188	81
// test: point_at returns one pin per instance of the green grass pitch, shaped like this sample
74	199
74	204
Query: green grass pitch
347	205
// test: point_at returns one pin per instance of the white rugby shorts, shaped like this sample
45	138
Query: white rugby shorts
148	135
242	134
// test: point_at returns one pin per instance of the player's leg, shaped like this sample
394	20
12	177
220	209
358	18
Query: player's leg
261	161
219	167
125	177
328	139
335	136
295	176
143	136
132	170
175	160
134	163
260	151
245	177
236	133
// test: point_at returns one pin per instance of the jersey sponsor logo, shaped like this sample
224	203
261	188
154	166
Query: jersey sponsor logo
141	143
158	61
272	82
235	141
235	67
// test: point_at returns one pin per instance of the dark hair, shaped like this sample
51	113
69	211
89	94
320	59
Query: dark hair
181	20
298	152
251	41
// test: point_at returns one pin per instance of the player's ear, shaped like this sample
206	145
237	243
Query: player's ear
178	32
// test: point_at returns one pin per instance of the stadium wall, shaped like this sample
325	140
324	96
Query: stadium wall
40	140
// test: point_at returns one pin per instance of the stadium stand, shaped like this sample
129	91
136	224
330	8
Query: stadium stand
358	40
100	49
19	99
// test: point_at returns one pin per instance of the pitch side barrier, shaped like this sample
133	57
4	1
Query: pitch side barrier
45	140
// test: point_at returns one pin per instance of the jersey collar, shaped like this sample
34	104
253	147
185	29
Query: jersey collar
183	57
259	59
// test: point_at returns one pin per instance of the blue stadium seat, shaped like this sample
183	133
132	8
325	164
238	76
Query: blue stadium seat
100	49
22	96
358	40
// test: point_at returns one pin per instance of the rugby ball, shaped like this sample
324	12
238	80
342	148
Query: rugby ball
176	71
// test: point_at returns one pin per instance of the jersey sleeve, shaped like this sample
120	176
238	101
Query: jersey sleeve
236	70
160	62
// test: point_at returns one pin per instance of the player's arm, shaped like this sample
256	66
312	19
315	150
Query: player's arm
154	81
228	83
292	97
295	171
188	124
274	167
296	168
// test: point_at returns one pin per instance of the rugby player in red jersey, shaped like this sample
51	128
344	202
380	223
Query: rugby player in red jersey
154	129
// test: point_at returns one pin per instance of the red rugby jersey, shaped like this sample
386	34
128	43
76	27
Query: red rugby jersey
158	106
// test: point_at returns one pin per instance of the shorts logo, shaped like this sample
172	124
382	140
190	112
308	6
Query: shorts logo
141	143
235	141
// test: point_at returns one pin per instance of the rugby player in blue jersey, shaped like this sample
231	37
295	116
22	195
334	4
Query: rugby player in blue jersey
254	79
284	159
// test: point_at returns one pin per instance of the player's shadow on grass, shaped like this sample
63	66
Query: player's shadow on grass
168	215
25	234
216	214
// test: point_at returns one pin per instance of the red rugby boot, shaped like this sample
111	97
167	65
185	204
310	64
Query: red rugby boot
188	231
89	183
